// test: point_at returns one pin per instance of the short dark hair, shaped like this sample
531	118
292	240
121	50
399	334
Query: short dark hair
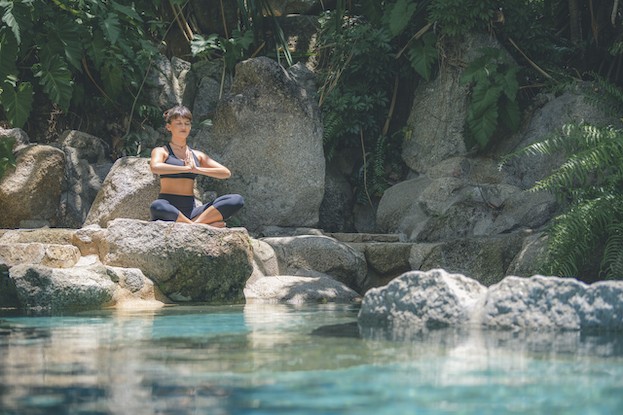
178	111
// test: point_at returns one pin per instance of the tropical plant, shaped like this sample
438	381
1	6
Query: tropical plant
586	240
62	50
231	50
7	159
460	17
365	59
494	86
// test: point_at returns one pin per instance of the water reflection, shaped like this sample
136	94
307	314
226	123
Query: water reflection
543	343
289	359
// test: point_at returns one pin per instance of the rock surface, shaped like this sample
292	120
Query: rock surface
312	256
419	301
31	192
422	301
127	192
187	262
269	133
296	290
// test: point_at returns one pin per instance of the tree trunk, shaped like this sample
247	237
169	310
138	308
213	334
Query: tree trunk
575	21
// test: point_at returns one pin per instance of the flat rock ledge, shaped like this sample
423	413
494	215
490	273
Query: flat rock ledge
293	289
420	301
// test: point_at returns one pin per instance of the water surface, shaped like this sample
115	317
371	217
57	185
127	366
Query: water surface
280	359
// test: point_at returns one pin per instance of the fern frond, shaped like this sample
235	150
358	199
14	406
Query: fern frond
612	260
576	235
606	95
597	156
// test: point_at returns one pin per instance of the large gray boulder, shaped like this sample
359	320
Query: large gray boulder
485	259
92	286
127	192
187	262
445	208
169	83
313	255
87	167
422	301
419	301
553	303
437	118
269	133
436	121
30	193
210	87
59	289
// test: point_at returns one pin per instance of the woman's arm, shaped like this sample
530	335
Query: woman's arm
209	167
158	166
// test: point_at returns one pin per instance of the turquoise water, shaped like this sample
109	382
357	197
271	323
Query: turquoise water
279	359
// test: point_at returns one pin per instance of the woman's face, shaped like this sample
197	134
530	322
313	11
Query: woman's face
179	127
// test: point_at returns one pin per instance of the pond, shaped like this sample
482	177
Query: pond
281	359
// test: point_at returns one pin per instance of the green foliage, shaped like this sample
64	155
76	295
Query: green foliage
364	57
494	87
586	238
232	50
356	82
17	101
399	16
423	55
460	17
606	96
576	246
7	159
47	47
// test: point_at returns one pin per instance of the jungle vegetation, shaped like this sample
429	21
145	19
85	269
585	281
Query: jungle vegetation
82	64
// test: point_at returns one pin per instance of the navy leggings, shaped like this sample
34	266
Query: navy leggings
168	207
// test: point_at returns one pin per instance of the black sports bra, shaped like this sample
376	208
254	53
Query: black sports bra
175	161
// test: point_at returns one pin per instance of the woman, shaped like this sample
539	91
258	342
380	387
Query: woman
178	166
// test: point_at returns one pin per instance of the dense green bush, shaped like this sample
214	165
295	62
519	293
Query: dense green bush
69	51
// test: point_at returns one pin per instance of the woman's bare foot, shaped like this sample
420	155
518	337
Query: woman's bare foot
219	224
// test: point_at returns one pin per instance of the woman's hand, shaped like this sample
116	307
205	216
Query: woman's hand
189	162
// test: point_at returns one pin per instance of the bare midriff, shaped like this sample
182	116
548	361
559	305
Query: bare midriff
183	187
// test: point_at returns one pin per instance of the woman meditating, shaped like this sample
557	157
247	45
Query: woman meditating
178	166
